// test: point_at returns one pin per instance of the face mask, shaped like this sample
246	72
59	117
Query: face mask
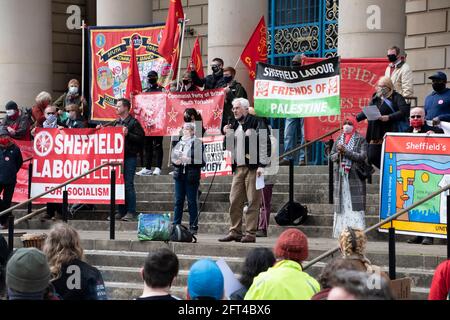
152	81
73	90
228	79
416	123
51	118
392	57
438	87
186	82
382	92
72	116
10	113
347	128
215	68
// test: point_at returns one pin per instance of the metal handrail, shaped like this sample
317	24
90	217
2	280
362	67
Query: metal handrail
17	206
379	224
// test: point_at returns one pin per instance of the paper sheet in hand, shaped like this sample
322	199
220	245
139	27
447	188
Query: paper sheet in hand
260	184
231	284
372	113
445	126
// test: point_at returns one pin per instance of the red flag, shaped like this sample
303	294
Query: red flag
134	84
169	42
256	49
196	60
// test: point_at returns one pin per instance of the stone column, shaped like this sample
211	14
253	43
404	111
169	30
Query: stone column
367	28
26	50
231	23
124	12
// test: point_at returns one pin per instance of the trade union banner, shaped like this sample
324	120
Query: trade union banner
359	78
218	160
21	188
61	155
162	114
307	91
109	63
413	167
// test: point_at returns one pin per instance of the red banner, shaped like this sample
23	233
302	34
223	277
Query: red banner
162	114
256	49
21	189
110	55
218	161
196	62
359	77
61	155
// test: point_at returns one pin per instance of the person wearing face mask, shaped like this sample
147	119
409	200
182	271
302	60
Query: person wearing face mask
212	81
400	73
153	146
43	99
10	163
348	152
74	121
437	104
17	123
393	109
187	84
188	159
233	90
418	125
71	96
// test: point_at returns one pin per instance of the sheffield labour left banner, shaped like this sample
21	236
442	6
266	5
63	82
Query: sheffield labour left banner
414	166
110	55
307	91
162	114
61	155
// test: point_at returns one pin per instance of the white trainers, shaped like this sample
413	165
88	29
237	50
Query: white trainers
144	172
157	172
171	173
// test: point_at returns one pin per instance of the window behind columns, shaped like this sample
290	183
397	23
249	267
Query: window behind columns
302	26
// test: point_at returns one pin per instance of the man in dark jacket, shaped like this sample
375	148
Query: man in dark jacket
233	90
212	81
153	144
16	122
10	163
418	125
248	139
134	136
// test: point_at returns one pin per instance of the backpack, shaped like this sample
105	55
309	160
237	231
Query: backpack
292	213
180	233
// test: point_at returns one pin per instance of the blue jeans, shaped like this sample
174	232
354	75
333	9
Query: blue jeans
293	137
129	171
183	189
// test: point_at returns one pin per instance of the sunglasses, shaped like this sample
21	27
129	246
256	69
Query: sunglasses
416	117
49	113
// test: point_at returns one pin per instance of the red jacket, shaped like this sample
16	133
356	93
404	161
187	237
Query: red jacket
440	286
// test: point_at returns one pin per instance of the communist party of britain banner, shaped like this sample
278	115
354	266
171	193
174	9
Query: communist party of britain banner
307	91
414	166
162	114
61	155
109	62
359	78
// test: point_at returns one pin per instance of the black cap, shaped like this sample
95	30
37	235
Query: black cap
438	76
152	74
11	106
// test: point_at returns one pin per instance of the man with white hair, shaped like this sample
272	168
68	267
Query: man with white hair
248	139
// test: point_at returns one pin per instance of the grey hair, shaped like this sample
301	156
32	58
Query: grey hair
244	103
43	96
189	125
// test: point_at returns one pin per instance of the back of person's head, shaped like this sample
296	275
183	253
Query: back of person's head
61	247
258	260
160	268
205	281
335	265
292	244
352	242
27	272
357	285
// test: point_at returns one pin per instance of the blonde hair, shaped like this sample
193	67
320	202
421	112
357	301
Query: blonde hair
61	247
43	97
388	83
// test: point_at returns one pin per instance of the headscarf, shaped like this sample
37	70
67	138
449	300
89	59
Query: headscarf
348	136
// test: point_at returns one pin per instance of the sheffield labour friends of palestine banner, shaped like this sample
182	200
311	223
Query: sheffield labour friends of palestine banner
413	167
218	161
308	91
162	114
61	155
21	189
109	61
358	83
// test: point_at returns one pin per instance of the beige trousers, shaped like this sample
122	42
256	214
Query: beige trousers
243	189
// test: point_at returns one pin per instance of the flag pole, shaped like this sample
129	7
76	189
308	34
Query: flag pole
181	51
83	56
237	62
